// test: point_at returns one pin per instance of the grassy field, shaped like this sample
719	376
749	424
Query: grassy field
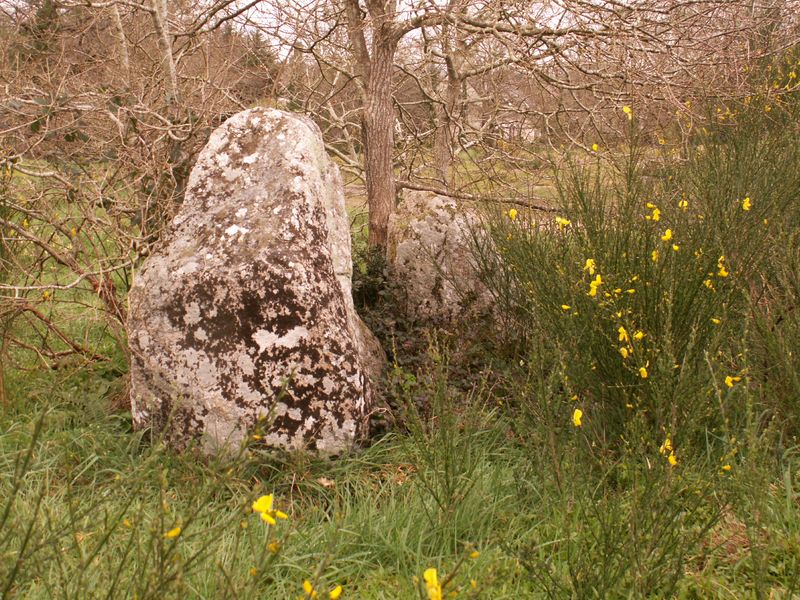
626	428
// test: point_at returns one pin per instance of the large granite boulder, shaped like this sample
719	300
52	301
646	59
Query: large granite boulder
245	315
430	254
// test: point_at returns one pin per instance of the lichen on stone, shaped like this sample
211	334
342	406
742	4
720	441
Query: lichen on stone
244	316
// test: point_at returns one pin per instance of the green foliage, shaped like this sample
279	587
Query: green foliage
643	297
632	436
655	316
90	504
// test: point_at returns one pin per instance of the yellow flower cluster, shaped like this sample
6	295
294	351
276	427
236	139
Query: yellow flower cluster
667	450
594	285
432	585
732	380
310	592
723	272
562	222
263	506
628	112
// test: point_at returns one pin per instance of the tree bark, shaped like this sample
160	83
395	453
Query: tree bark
375	69
450	113
160	14
378	133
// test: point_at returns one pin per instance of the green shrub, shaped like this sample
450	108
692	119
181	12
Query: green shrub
643	287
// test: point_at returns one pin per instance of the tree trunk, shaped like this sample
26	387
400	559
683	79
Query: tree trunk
449	115
442	151
447	129
378	133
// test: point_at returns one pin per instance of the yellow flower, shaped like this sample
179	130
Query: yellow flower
683	204
730	381
595	147
723	272
25	223
624	352
264	506
746	204
474	554
643	372
726	467
628	112
661	141
173	533
273	547
656	216
590	266
708	284
576	417
667	235
562	222
666	447
565	307
126	523
335	593
715	321
253	571
512	214
309	589
672	460
676	247
654	255
593	285
432	584
473	583
623	335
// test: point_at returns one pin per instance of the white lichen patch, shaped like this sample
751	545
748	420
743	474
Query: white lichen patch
236	229
192	314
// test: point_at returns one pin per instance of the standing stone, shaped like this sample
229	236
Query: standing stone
430	253
245	315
